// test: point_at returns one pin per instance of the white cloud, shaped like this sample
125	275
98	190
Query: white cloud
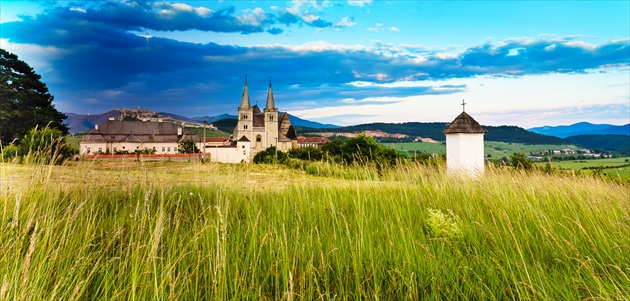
309	18
182	7
359	3
395	29
345	22
77	9
377	76
202	11
166	14
253	16
318	46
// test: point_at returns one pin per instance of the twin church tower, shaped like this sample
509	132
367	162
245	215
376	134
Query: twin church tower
264	129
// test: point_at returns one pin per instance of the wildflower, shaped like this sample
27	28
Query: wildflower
443	225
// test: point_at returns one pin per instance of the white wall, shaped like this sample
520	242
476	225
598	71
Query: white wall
93	147
238	154
464	153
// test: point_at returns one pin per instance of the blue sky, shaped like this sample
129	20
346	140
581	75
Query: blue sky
525	63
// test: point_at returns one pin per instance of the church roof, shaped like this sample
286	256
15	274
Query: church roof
271	106
243	139
256	109
283	138
258	118
138	132
245	97
464	124
291	134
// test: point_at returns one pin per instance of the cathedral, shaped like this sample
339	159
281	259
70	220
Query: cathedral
264	129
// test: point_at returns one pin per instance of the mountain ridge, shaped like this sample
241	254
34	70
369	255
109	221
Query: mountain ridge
79	123
582	128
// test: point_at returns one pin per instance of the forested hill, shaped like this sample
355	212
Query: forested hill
434	130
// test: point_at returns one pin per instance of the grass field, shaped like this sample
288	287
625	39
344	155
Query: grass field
191	231
494	149
619	167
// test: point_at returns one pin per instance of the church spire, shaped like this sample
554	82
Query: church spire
245	98
271	106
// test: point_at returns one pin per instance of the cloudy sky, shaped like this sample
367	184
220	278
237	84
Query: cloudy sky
525	63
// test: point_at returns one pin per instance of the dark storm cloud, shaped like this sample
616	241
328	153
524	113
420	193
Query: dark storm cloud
106	64
164	16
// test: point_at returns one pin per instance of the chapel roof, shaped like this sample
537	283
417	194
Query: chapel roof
464	123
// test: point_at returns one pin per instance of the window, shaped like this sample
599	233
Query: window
146	148
115	149
100	149
163	148
270	117
243	146
175	149
245	126
89	150
243	152
169	149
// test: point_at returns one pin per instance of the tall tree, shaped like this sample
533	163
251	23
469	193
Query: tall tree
24	100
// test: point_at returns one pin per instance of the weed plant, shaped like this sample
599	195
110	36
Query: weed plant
191	231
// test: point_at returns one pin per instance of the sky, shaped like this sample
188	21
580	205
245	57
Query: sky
524	63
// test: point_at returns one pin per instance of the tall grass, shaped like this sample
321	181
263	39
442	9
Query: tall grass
193	231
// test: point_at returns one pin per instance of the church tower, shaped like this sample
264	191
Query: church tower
245	117
271	119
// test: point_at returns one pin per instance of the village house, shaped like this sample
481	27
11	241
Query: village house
311	141
119	136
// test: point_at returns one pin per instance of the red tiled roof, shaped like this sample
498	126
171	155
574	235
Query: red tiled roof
319	140
217	139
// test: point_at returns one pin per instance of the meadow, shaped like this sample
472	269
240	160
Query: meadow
495	149
192	231
613	167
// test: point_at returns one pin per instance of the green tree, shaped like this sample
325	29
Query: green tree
333	147
270	155
25	102
188	147
519	161
44	145
359	149
309	153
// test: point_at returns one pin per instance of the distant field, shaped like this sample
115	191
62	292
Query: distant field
209	133
622	172
500	149
411	147
494	149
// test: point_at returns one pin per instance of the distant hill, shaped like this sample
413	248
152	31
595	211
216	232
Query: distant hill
226	125
434	130
296	121
616	143
582	128
79	123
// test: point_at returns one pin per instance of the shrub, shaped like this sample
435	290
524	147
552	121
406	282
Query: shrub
443	225
9	152
44	145
519	161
